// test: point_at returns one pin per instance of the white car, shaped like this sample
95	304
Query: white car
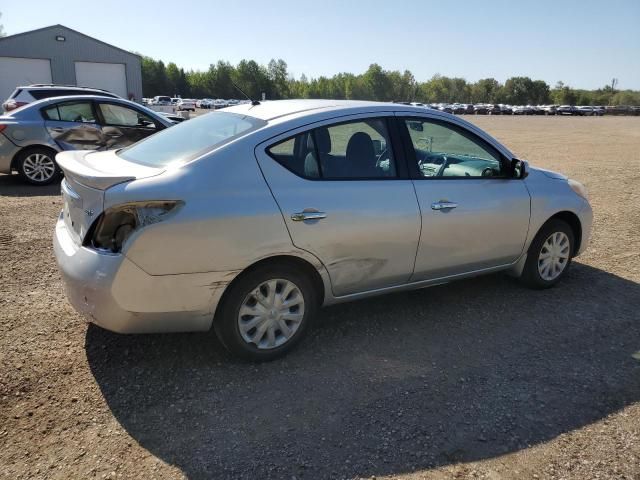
161	100
186	104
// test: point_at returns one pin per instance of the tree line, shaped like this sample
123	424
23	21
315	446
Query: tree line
376	83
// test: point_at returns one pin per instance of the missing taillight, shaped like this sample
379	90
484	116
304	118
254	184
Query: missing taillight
116	225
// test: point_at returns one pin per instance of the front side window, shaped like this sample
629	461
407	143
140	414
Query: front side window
444	150
353	150
80	112
123	116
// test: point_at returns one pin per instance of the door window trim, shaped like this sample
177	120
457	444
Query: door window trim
395	141
412	161
96	119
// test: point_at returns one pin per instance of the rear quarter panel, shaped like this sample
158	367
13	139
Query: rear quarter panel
229	219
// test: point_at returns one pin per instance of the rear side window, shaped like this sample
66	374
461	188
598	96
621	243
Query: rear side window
80	112
353	150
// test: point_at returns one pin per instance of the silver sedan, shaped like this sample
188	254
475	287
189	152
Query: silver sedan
250	219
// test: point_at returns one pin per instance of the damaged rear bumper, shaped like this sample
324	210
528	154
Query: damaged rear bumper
114	293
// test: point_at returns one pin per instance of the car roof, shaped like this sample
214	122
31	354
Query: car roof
270	110
48	101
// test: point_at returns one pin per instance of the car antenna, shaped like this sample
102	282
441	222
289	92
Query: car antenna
253	102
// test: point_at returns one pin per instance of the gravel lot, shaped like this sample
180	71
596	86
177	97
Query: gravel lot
476	379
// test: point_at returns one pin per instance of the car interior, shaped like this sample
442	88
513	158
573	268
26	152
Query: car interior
442	151
350	150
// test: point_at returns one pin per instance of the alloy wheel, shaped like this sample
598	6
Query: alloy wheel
39	167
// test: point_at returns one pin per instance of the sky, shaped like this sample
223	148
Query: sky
583	43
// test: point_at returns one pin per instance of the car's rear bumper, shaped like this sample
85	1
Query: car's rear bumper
114	293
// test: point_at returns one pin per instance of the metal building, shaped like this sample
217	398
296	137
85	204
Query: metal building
61	55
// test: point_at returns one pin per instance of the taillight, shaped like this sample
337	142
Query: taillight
116	224
2	127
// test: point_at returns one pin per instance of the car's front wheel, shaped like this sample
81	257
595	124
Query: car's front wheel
549	255
266	312
38	166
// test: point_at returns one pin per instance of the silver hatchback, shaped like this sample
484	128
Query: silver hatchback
250	219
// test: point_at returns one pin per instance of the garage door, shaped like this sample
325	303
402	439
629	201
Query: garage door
109	76
22	71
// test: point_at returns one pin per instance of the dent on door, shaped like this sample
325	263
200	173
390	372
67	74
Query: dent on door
76	137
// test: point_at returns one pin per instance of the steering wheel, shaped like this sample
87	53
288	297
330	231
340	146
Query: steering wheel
445	164
381	158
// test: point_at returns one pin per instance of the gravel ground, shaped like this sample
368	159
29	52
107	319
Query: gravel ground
477	379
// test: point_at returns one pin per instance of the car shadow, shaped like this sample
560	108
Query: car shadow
400	383
15	186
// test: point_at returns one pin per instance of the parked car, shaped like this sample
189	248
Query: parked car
171	223
161	100
458	109
549	109
599	111
567	110
494	110
175	100
31	136
25	95
172	116
480	109
186	104
585	111
506	110
219	103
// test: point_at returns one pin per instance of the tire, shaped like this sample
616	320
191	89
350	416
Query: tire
38	166
243	295
534	274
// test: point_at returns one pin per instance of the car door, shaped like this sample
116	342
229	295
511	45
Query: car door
346	198
123	125
475	214
73	125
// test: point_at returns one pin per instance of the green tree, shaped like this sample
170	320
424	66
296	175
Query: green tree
485	90
173	80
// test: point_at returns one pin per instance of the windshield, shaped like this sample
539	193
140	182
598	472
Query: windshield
190	139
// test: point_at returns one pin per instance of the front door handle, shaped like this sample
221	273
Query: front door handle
114	135
57	129
301	216
443	205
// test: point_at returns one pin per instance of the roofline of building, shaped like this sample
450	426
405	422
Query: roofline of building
58	25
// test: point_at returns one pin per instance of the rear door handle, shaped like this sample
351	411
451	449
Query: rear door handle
443	205
57	129
114	135
301	216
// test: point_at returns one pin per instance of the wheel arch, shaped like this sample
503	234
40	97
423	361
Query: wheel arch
574	222
24	150
284	259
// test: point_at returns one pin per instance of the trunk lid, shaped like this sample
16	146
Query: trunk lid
87	175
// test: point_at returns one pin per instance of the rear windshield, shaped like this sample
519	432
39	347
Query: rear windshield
190	139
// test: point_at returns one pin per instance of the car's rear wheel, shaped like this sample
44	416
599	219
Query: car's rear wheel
266	312
38	166
549	255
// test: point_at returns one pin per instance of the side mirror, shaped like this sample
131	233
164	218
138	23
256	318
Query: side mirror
519	168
